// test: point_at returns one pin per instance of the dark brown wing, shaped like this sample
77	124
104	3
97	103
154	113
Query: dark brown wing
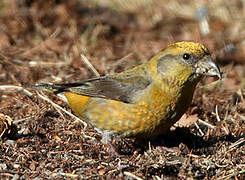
115	88
121	88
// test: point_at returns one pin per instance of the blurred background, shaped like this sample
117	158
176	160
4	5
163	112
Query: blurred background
113	34
42	41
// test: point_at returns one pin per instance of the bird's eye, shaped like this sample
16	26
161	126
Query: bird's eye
186	56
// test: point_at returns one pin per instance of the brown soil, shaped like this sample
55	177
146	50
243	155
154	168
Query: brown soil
41	41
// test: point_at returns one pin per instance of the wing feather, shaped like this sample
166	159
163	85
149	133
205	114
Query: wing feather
121	89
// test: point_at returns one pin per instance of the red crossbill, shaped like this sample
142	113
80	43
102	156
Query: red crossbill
143	101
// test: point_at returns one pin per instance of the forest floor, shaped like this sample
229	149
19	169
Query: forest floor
42	41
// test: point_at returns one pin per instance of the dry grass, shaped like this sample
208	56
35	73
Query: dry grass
43	42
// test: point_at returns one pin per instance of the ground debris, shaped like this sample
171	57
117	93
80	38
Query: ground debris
48	41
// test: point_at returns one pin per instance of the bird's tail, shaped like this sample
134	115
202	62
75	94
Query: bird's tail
52	88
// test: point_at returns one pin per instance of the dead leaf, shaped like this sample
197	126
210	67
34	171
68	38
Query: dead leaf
4	40
186	120
230	83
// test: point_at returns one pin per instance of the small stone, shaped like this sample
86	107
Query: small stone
16	166
15	177
3	166
9	142
37	178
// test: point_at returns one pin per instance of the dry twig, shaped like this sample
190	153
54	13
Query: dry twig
132	175
62	109
89	65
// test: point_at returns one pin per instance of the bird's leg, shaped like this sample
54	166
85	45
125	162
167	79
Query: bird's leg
107	138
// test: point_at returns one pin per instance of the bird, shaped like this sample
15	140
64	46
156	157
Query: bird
144	101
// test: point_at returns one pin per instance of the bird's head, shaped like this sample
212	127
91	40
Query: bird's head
188	60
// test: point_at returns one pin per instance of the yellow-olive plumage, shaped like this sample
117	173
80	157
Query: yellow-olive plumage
143	101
